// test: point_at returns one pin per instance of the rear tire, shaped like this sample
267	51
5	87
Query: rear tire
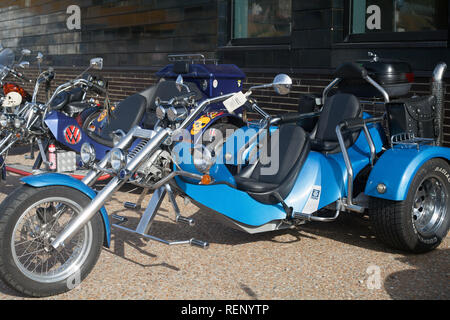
419	223
29	220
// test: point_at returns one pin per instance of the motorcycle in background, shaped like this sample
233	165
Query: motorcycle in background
184	79
27	123
13	95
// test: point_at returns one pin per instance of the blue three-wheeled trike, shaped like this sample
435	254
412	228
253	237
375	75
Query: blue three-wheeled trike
272	173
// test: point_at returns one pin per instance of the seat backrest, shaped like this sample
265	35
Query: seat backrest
339	107
291	140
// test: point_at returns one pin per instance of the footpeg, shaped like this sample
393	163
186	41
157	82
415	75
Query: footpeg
119	218
199	243
189	221
311	217
301	216
131	205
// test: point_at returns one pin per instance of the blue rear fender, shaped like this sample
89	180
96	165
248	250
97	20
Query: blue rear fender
397	167
57	179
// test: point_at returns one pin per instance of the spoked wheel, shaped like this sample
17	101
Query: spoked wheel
420	222
30	220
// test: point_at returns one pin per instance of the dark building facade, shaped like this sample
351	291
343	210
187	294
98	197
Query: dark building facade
305	39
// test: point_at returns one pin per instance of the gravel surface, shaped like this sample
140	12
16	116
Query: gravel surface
339	260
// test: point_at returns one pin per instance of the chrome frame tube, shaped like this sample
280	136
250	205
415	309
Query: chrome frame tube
328	88
348	164
5	140
8	146
193	115
371	145
379	88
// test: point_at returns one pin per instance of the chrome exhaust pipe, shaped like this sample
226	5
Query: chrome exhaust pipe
438	90
97	203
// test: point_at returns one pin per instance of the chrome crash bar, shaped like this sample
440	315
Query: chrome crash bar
354	124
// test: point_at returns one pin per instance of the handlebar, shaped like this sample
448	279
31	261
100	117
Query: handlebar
98	89
19	75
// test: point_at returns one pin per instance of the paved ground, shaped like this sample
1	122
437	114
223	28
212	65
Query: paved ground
339	260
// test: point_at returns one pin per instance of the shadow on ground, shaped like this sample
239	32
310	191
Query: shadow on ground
429	278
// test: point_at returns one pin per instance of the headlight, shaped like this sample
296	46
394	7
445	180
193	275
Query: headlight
17	123
87	153
161	112
203	159
117	159
3	120
176	113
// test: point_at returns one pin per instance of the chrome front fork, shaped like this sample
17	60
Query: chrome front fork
97	203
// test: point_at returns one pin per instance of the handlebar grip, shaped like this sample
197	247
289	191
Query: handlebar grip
290	117
353	123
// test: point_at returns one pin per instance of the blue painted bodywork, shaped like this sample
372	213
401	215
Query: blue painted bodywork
57	179
326	171
397	167
57	122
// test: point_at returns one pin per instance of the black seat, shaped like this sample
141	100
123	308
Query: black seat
75	107
130	111
339	107
273	188
126	115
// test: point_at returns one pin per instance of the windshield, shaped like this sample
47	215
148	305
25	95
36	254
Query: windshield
6	60
6	57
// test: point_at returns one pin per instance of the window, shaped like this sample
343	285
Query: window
399	16
261	18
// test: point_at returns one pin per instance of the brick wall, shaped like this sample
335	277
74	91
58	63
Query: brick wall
125	83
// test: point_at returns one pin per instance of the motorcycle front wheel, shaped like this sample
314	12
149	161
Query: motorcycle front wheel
30	219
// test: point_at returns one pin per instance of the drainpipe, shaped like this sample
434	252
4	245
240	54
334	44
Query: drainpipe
438	90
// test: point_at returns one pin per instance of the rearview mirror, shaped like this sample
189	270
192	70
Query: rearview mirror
24	64
97	63
26	52
282	84
180	84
